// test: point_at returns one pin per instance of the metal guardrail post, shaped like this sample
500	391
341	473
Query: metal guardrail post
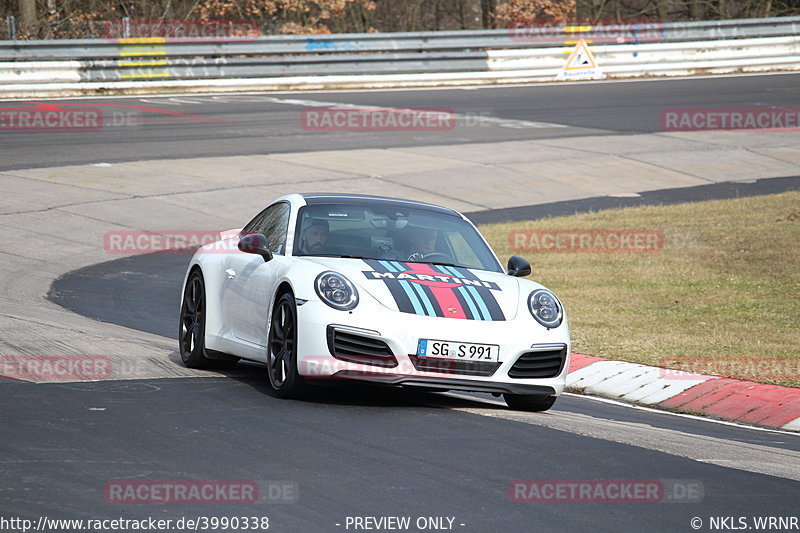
12	27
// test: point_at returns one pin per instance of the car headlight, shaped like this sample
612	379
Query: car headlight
336	291
545	308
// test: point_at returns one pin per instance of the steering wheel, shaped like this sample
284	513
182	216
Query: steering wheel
417	256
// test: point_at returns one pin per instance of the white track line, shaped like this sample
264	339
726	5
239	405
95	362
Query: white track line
637	407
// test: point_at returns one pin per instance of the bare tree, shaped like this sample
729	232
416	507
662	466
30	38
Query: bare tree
470	14
697	9
61	19
487	13
27	12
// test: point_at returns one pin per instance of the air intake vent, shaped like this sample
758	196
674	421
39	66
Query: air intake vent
356	348
546	363
454	366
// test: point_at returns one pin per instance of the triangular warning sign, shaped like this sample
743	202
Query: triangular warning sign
581	64
580	58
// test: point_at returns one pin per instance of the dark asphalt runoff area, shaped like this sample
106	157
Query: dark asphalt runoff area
357	451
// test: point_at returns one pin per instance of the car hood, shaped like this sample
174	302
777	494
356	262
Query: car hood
431	290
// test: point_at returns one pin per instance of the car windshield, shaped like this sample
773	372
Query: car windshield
392	233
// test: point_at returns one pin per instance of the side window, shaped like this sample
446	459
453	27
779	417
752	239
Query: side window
274	223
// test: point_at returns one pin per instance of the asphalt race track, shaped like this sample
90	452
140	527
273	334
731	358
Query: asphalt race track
356	451
350	454
241	125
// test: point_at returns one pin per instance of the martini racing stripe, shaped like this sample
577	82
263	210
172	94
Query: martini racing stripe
482	297
427	299
437	290
444	296
478	311
410	303
406	298
468	304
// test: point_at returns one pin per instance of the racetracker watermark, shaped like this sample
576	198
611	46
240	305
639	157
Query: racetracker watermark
134	242
596	240
774	369
53	119
592	31
381	369
181	29
200	492
730	119
150	524
606	491
377	119
55	367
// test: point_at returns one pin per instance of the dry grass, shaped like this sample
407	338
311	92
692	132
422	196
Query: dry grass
721	297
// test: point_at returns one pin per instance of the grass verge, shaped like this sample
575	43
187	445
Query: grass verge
719	295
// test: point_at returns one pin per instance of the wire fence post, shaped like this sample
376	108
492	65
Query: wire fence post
126	27
12	27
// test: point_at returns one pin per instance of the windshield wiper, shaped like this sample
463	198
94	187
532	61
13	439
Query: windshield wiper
440	263
345	256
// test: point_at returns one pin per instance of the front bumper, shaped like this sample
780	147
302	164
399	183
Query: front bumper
400	334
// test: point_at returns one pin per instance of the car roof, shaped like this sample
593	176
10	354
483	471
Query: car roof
367	199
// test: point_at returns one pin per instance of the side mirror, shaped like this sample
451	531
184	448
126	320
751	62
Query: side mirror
518	266
255	243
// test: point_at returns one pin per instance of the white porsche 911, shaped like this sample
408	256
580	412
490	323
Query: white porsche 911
354	287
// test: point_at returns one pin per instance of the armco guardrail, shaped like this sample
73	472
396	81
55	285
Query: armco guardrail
523	53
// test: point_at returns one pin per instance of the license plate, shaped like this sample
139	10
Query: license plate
460	351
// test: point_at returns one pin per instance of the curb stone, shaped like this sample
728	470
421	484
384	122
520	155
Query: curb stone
748	402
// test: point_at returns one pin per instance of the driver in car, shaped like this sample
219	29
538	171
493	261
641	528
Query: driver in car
314	237
423	242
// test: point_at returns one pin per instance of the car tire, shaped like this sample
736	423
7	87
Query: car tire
192	327
284	378
529	402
